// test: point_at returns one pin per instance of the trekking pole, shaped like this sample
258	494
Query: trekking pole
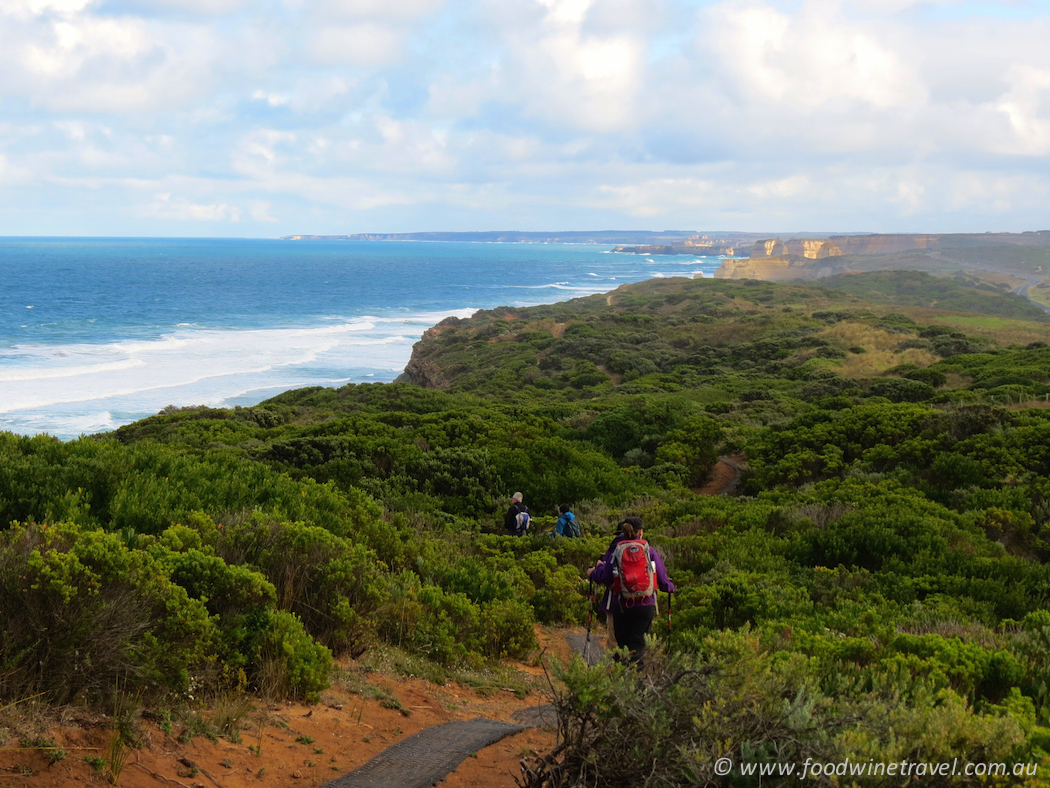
670	596
590	611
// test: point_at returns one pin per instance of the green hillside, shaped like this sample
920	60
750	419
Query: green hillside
918	288
878	588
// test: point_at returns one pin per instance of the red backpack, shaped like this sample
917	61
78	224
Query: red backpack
634	570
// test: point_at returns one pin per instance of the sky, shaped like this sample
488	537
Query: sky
262	118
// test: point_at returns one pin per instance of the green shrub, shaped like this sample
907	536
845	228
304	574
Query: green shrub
331	583
447	630
81	613
505	630
292	665
558	600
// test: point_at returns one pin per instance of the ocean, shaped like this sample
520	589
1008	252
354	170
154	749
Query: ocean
96	333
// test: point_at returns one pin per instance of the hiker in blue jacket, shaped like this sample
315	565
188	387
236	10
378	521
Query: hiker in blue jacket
567	524
632	620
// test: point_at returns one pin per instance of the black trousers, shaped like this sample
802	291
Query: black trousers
631	625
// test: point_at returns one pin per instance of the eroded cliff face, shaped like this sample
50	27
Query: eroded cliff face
771	248
420	369
813	248
774	269
883	244
774	259
810	248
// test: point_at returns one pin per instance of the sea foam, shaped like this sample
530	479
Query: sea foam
121	328
93	387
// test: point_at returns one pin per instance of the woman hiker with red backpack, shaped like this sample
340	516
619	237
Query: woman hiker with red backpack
633	571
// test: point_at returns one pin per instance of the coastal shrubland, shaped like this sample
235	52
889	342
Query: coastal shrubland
877	584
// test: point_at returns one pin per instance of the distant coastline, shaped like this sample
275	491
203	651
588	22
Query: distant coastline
612	237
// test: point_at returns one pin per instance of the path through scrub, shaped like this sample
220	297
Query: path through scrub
428	757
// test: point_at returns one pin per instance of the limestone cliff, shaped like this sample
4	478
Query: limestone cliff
780	268
771	248
883	244
813	248
810	248
695	249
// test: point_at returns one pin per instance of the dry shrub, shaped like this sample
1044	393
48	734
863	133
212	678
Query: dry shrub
229	713
821	514
967	631
598	515
25	717
707	525
880	346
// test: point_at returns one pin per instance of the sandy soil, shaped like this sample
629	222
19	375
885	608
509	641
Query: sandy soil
721	477
291	744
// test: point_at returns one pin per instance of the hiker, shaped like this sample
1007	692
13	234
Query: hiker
567	524
517	520
605	605
633	571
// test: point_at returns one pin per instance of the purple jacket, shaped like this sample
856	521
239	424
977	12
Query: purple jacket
603	575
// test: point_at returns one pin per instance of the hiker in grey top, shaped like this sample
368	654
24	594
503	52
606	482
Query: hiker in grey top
517	520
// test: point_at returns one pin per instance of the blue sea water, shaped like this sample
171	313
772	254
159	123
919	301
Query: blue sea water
95	333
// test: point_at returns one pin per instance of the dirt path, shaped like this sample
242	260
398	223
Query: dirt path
724	476
282	745
289	745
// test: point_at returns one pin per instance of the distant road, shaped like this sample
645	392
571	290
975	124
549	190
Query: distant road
1023	291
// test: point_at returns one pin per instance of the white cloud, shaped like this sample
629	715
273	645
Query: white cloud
451	96
782	188
259	150
260	211
566	73
273	99
376	9
895	6
808	59
182	210
830	113
566	11
202	7
73	44
102	64
31	8
653	197
910	194
363	44
1027	106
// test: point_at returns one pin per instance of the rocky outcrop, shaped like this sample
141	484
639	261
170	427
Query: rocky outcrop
697	250
770	248
883	244
420	370
810	248
775	268
813	248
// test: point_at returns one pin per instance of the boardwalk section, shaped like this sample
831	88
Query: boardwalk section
426	758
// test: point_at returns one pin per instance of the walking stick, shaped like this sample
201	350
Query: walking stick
590	612
670	596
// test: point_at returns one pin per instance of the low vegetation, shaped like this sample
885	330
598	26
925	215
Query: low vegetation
879	586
